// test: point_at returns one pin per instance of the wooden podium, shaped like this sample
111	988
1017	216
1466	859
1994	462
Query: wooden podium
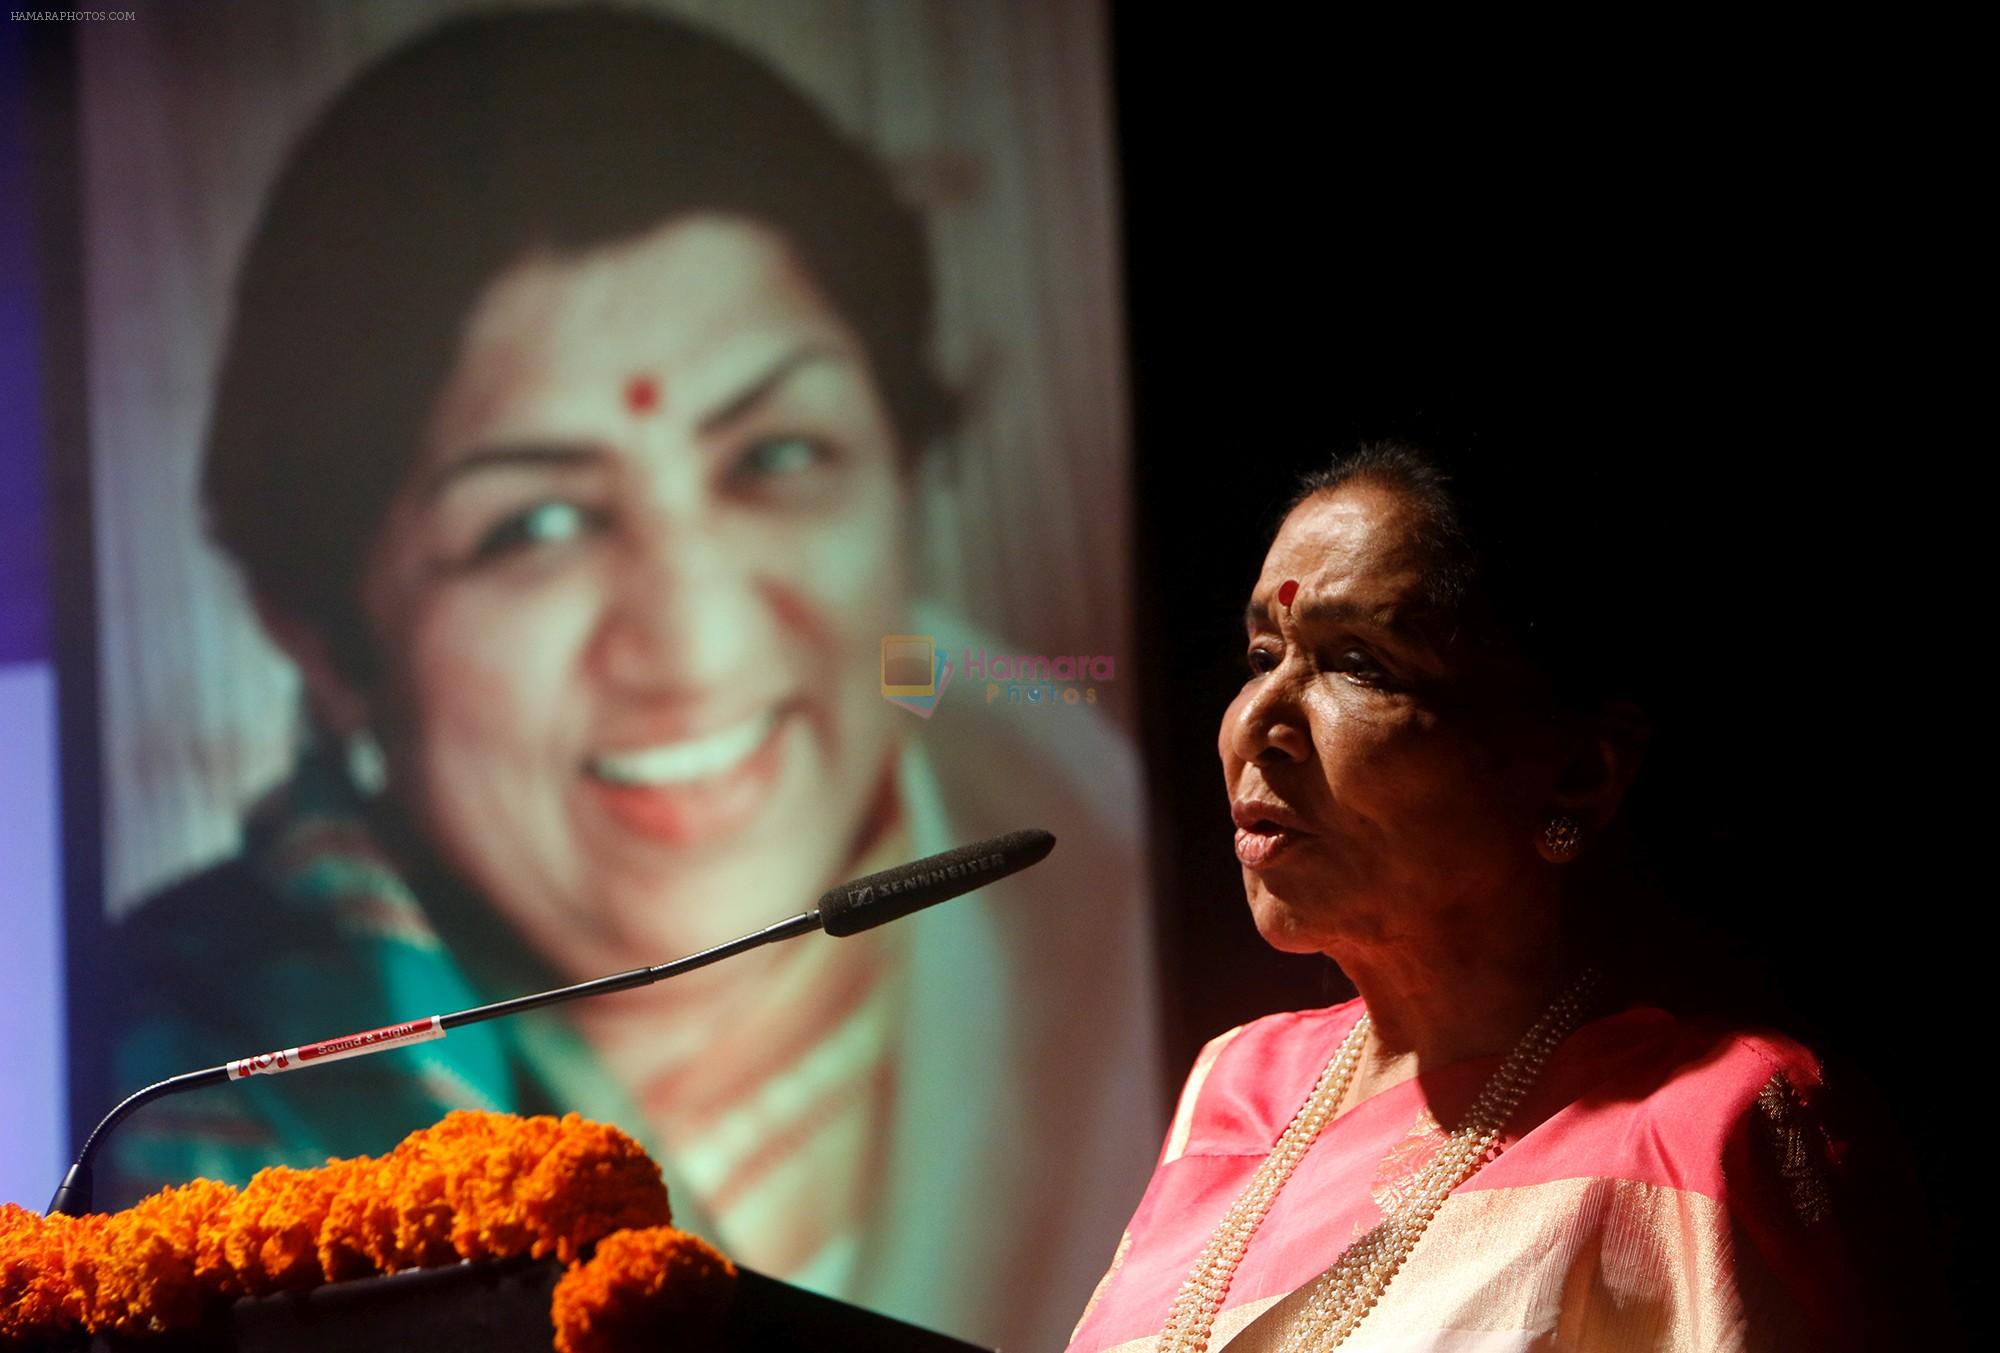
504	1308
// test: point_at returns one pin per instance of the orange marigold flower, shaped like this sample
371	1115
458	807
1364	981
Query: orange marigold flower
48	1273
427	1166
476	1186
595	1181
481	1159
358	1236
268	1239
20	1245
147	1278
650	1288
22	1264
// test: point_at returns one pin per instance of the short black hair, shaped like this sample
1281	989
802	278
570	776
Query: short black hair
489	137
1545	544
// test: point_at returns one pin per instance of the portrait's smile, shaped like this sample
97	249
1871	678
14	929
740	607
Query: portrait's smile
698	789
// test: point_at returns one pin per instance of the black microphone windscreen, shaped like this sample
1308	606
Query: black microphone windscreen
869	901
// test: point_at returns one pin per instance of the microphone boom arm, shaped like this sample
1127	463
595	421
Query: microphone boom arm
73	1195
848	909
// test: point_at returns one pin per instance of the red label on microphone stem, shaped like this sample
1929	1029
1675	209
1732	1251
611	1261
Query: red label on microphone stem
334	1049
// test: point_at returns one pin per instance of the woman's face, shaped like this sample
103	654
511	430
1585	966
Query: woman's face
1386	782
632	595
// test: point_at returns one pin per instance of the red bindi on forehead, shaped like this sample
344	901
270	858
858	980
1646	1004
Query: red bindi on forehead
1286	591
642	394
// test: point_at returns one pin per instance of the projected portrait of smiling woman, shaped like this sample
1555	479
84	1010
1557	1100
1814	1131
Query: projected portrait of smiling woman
570	423
635	584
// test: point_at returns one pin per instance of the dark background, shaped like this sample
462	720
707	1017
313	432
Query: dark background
1704	264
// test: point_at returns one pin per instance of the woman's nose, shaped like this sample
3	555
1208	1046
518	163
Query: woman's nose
675	618
1267	725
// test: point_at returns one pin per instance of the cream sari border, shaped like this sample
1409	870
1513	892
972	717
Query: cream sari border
1599	1265
1226	1327
1594	1265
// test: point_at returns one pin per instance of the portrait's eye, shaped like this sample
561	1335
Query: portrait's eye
547	523
1262	659
774	460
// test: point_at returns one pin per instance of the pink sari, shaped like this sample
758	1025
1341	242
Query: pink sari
1667	1185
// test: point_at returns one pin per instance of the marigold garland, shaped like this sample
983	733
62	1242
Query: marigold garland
473	1186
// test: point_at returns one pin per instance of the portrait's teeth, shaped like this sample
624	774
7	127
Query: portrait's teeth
679	762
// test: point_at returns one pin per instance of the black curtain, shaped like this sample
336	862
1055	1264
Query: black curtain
1325	235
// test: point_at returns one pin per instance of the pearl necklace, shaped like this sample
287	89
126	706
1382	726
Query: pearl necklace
1195	1307
1350	1289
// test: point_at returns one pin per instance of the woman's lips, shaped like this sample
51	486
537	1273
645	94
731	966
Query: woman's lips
1257	846
696	790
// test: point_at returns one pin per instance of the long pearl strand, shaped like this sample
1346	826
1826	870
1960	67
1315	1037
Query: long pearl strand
1192	1316
1349	1290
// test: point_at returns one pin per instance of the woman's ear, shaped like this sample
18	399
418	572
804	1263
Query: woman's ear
337	703
1610	746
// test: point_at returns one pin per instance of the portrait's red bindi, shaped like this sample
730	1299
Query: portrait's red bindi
642	394
1286	591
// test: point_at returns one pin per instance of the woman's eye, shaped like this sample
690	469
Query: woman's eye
549	523
1262	660
1358	666
779	458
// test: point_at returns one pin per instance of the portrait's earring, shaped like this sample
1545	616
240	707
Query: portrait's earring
367	765
1562	838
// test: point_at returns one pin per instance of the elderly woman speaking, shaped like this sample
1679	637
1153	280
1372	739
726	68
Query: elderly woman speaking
1503	1143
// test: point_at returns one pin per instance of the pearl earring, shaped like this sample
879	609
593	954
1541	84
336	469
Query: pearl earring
1563	837
367	765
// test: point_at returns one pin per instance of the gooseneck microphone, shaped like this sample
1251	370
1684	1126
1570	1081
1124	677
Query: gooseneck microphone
848	909
867	902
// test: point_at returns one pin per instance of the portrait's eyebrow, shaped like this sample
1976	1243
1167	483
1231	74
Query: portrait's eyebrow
765	384
518	456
